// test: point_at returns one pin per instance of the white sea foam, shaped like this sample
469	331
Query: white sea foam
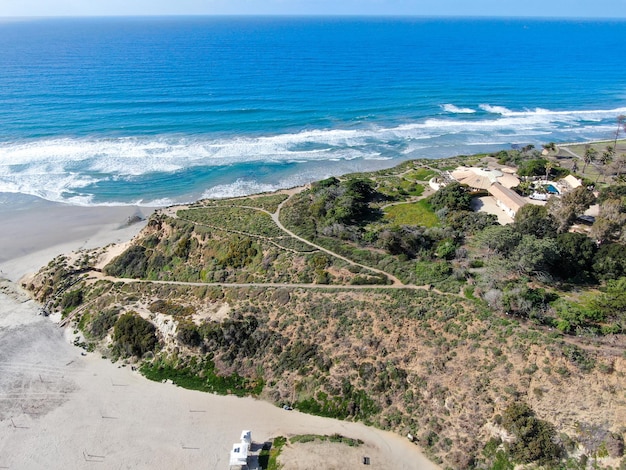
450	108
69	169
495	109
242	187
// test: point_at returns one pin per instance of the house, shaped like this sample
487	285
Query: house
481	178
476	182
572	182
508	200
239	453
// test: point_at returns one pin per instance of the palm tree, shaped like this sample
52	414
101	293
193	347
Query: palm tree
550	147
549	166
605	158
621	123
619	163
590	155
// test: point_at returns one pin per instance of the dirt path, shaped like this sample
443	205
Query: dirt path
276	219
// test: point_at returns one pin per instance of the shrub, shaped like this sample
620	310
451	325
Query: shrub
132	263
534	438
72	299
103	322
170	308
134	336
241	252
188	334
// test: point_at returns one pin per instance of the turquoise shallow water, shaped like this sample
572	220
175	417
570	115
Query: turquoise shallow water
160	110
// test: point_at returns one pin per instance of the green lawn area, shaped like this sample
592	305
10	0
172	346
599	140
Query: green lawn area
421	174
417	213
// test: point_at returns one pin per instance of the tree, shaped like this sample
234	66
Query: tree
405	240
576	255
611	221
453	197
621	124
499	239
610	261
133	335
535	255
550	147
335	202
469	222
188	334
605	158
567	208
549	167
616	191
534	437
590	155
536	167
536	221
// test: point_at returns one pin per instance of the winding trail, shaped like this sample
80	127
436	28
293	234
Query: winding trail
276	218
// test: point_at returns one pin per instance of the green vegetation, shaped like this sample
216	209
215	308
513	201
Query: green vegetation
167	307
235	219
70	300
417	213
202	376
351	403
421	174
268	457
134	336
103	322
132	263
452	197
336	438
534	438
266	202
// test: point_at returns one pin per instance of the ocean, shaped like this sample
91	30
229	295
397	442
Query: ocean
161	110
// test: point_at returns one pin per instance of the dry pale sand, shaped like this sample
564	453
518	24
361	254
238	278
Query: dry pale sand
61	409
35	231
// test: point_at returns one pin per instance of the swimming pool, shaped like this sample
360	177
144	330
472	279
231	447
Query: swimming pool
551	189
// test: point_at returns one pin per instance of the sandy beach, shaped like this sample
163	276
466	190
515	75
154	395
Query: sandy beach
62	409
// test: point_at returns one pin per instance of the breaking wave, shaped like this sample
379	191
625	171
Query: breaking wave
75	170
450	108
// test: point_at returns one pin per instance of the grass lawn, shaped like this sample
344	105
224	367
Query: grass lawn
421	174
417	213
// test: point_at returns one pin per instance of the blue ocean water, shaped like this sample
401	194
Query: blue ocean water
162	110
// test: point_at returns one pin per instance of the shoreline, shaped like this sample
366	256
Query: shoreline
36	230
